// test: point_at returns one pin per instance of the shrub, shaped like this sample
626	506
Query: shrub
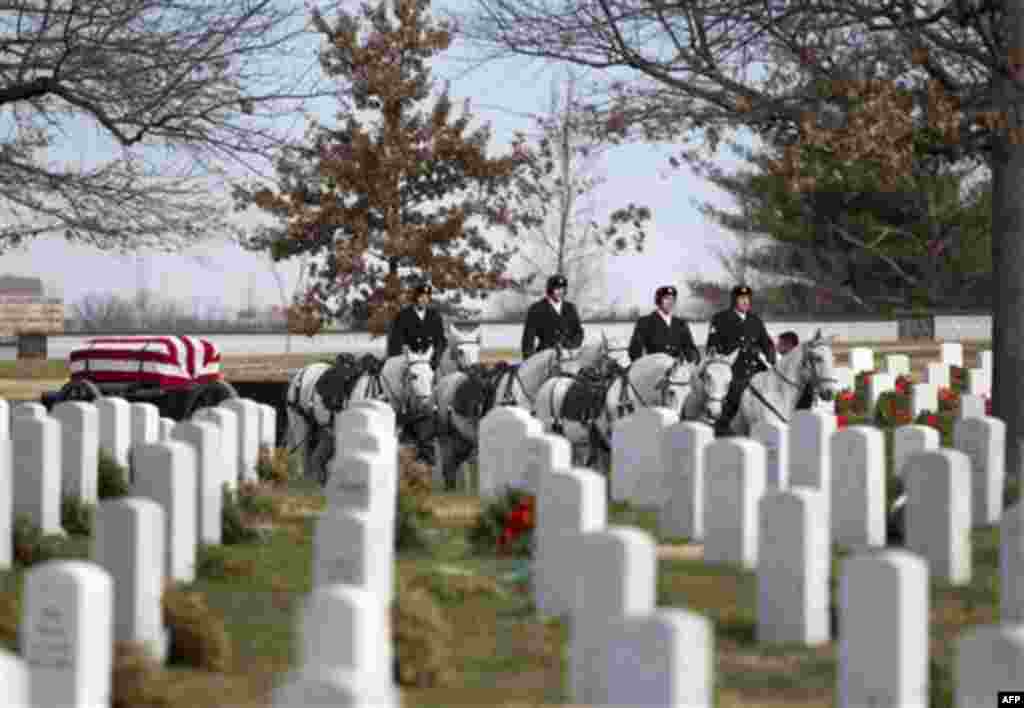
31	546
412	513
251	501
275	465
233	528
198	636
76	516
423	639
10	619
137	680
112	478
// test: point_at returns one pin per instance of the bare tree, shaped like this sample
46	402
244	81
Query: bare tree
289	299
180	90
570	241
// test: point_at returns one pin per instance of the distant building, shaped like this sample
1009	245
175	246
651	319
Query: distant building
15	285
27	316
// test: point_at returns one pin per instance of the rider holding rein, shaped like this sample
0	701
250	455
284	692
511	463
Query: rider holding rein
739	328
552	321
417	324
661	332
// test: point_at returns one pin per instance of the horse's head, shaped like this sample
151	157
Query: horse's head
417	384
715	378
464	346
674	386
615	350
566	361
817	367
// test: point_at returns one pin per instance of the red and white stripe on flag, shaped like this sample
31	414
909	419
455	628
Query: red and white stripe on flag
165	361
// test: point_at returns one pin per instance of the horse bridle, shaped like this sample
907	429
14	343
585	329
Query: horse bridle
712	361
666	381
460	354
406	376
807	362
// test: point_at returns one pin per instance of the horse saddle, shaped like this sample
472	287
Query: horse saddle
469	397
335	385
583	401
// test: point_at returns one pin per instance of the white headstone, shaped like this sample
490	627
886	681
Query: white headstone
923	397
988	659
810	436
883	631
332	688
166	473
145	419
36	471
844	377
979	382
248	415
897	365
938	512
346	628
664	658
129	543
570	502
971	406
66	634
5	419
31	409
938	374
774	435
353	548
6	503
115	427
983	440
985	360
880	383
793	567
80	447
268	426
204	437
858	487
503	434
365	482
638	471
1011	566
732	491
617	577
545	453
861	359
227	421
14	679
381	408
166	428
952	354
683	448
908	439
354	421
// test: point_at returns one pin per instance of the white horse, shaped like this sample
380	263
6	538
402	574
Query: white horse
518	384
585	413
773	394
461	399
463	350
405	382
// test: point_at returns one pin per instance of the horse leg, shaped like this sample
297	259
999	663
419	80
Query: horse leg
321	457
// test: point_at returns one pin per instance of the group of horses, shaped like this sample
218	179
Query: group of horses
579	394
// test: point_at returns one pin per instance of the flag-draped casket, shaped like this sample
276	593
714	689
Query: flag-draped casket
167	362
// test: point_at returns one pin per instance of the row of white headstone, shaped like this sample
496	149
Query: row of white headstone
627	651
924	396
45	457
74	611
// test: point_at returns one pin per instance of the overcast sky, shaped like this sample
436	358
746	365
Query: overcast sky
678	244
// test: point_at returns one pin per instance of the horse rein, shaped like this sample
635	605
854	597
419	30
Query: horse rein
805	363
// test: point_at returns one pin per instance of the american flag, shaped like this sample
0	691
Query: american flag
166	361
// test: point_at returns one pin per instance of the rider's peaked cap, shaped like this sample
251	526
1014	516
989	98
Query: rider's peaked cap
663	291
741	290
557	281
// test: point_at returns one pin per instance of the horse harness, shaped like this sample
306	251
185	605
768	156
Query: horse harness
509	399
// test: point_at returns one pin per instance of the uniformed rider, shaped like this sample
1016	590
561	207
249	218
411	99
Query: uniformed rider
661	332
552	320
740	328
417	325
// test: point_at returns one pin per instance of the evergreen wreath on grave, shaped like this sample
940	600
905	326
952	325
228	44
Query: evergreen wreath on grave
506	525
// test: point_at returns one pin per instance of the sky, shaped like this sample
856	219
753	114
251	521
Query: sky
220	274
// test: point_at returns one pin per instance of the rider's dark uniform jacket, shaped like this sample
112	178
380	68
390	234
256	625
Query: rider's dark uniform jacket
653	336
545	327
729	330
409	327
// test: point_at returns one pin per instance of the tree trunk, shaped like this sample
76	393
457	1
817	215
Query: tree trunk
1008	265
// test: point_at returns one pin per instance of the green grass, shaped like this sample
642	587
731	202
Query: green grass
34	368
